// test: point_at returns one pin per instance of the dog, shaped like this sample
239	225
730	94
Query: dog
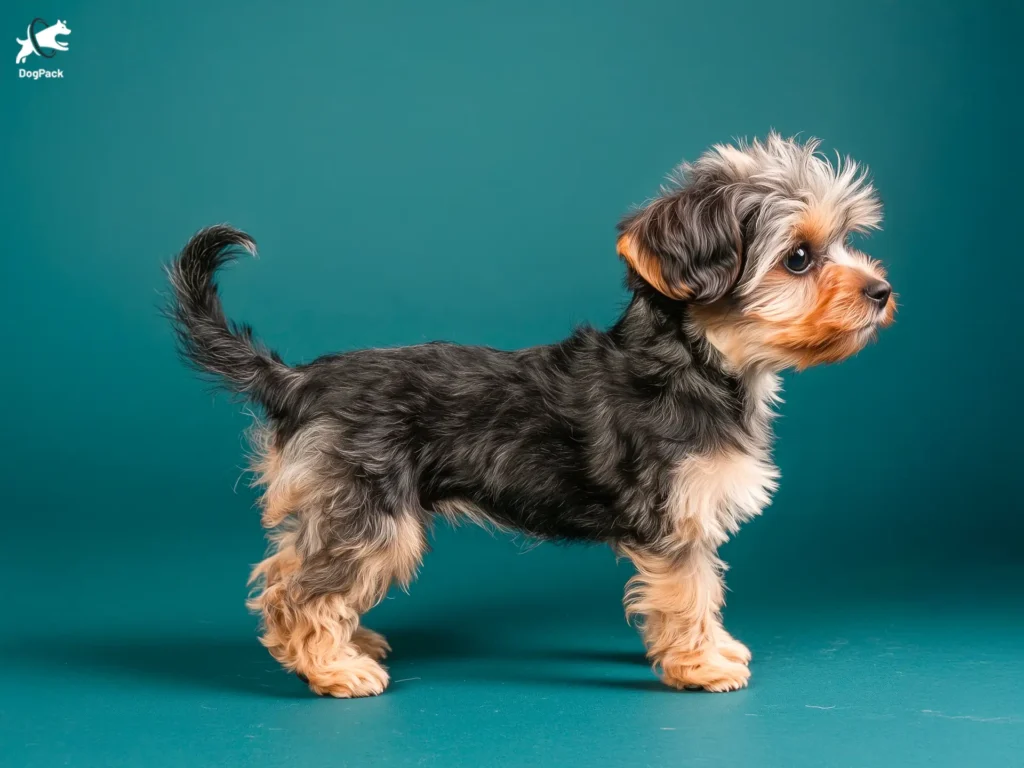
653	436
46	38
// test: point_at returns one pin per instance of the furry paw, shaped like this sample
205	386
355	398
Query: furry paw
371	643
348	678
732	649
711	671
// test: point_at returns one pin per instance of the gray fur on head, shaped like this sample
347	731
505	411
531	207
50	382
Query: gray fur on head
723	221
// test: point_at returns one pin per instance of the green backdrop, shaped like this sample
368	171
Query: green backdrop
448	170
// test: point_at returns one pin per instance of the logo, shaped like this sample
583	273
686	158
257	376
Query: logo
42	41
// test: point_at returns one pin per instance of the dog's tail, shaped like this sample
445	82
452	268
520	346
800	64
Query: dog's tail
211	343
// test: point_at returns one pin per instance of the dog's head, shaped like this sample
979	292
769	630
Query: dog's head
60	28
756	239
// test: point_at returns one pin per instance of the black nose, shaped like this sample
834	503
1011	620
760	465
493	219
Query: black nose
878	291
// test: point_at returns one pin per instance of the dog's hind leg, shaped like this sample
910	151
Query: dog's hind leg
373	644
333	558
311	603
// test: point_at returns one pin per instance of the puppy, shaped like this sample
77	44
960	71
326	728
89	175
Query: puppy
653	436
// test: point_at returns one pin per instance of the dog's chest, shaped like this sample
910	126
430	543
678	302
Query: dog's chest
712	494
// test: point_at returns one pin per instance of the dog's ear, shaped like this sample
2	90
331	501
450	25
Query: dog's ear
686	244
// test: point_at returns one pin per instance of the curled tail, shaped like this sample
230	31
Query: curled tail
211	343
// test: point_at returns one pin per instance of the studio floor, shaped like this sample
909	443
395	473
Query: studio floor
167	671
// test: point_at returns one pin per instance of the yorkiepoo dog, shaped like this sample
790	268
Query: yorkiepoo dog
653	436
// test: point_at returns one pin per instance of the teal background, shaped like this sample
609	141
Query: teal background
455	170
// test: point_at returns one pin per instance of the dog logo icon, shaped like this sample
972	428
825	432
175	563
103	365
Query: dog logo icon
42	36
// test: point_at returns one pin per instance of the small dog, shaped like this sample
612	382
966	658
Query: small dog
653	436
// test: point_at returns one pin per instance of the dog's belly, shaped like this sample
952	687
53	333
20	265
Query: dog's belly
568	517
709	497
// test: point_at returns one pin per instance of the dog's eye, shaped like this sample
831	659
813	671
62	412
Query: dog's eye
799	259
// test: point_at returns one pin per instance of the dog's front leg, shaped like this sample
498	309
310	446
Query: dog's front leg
679	597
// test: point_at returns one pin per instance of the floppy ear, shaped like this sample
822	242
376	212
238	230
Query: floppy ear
686	244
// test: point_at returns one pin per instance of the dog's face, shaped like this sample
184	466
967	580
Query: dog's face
757	239
60	28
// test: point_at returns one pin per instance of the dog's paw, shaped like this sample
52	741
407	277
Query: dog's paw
348	678
371	643
732	649
711	671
